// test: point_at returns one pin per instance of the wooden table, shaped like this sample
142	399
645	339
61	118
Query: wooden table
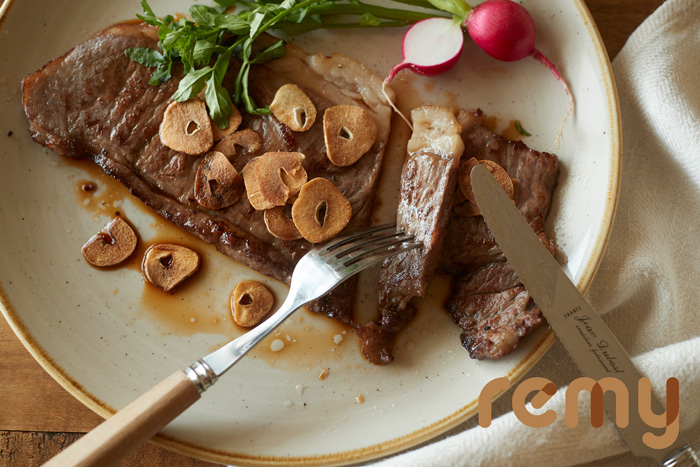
38	418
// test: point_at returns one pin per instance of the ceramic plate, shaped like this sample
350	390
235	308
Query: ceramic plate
106	337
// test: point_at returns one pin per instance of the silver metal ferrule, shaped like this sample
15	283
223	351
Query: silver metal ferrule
201	375
683	458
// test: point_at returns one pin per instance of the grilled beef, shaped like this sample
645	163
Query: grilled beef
488	302
428	181
95	102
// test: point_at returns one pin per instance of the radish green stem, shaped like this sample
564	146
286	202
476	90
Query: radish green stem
420	3
275	19
379	12
382	24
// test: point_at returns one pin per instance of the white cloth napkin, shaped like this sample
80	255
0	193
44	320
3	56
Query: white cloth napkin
648	284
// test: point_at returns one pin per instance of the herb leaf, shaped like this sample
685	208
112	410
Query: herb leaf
273	52
161	74
227	3
192	84
203	50
520	129
148	16
214	35
145	56
219	102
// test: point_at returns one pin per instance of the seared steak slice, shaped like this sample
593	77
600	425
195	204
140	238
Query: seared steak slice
95	102
428	181
488	302
493	309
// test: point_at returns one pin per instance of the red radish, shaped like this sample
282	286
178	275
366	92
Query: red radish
504	30
430	47
501	28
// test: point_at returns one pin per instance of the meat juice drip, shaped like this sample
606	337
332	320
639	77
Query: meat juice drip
491	122
309	342
510	132
181	311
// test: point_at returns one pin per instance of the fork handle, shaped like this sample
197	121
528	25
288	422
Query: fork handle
132	426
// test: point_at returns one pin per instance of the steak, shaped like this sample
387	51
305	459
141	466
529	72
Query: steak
428	181
488	302
94	102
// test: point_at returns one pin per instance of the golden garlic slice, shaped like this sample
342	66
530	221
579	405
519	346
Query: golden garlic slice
293	107
166	265
245	141
321	211
273	178
349	132
463	206
186	127
111	246
250	302
234	122
280	224
465	182
217	184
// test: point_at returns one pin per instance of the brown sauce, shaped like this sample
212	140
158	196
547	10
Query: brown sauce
491	123
182	310
198	304
308	342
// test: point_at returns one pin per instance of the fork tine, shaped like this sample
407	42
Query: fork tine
371	246
353	237
363	263
367	242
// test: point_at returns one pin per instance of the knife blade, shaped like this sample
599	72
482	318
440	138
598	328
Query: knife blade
591	344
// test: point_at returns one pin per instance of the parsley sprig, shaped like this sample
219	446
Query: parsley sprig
205	43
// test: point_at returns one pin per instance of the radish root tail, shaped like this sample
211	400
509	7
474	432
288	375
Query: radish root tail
540	57
393	106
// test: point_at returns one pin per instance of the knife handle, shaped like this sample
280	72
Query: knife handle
683	458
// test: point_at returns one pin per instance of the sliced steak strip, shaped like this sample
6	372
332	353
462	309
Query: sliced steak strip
488	302
428	181
493	309
95	102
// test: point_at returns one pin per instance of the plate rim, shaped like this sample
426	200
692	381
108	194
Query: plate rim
427	432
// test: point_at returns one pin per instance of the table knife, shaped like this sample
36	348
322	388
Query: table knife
573	320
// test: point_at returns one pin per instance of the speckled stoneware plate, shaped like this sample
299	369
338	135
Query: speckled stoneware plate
106	337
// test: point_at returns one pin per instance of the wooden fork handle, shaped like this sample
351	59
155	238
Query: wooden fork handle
132	426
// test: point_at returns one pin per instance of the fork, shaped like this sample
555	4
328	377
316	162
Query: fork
316	274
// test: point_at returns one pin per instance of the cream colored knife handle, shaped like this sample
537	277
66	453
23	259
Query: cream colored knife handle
132	426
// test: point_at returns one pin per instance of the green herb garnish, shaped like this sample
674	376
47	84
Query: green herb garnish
520	129
205	44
